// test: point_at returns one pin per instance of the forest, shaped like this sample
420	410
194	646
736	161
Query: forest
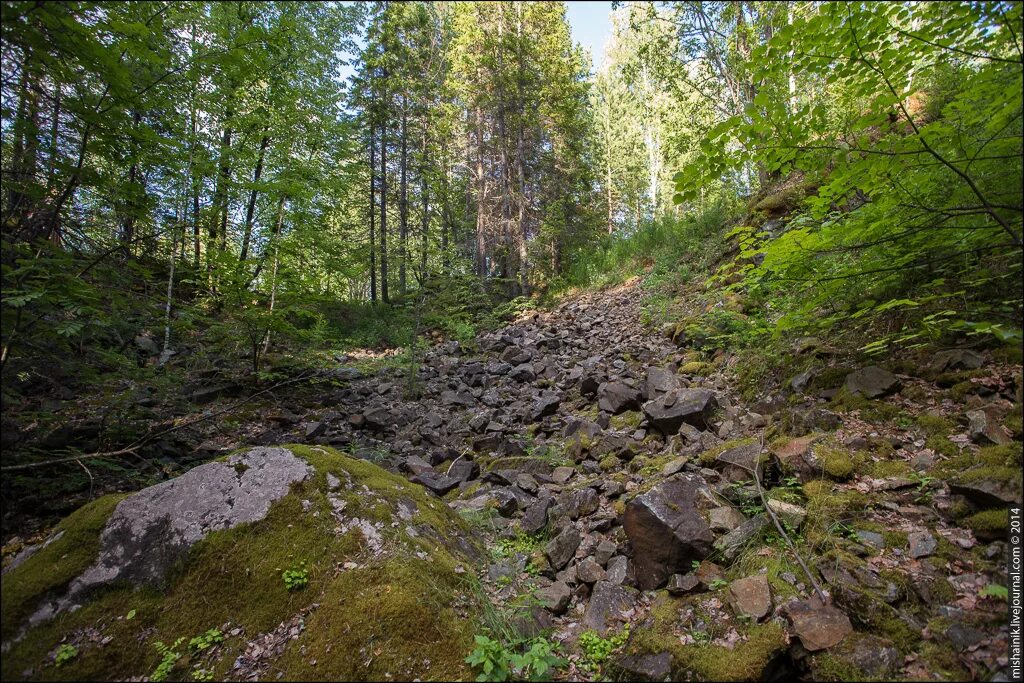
421	340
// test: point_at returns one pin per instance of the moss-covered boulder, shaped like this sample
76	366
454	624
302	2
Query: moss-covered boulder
300	563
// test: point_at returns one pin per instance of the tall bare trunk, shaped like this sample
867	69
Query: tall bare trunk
250	210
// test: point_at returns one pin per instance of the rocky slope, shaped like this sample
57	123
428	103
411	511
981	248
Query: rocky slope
849	527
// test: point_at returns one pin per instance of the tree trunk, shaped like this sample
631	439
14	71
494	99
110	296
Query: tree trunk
250	210
403	207
373	211
384	201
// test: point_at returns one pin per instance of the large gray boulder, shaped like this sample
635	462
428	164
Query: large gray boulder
149	531
668	412
872	382
667	530
617	397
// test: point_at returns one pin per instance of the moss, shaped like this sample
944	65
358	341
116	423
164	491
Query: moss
626	421
934	425
942	660
844	401
988	523
50	569
708	457
747	660
951	379
837	463
234	576
608	463
387	622
697	368
828	378
942	446
1007	455
960	390
1015	422
887	469
830	667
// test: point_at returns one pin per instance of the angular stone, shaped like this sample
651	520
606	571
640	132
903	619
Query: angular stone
617	397
555	597
562	474
610	605
437	483
818	626
985	430
589	571
733	542
872	382
416	465
619	571
957	359
604	551
725	518
668	412
751	596
562	547
681	584
641	667
788	513
535	517
546	404
922	544
987	491
464	470
523	373
659	381
666	528
580	503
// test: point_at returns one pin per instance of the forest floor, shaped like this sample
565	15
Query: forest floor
543	435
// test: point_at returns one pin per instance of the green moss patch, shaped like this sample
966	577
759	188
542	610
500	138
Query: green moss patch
395	608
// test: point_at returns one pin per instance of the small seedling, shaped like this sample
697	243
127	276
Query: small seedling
994	590
296	578
169	656
206	640
66	652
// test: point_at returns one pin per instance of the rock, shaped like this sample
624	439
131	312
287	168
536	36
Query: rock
788	513
555	597
563	547
562	474
315	429
617	397
546	404
589	384
659	381
922	544
956	359
416	465
818	626
708	574
730	545
794	456
150	531
738	463
604	551
619	571
872	538
464	470
666	529
963	637
535	517
872	382
435	482
147	345
644	667
674	465
985	430
986	491
681	584
800	381
589	571
668	412
523	373
751	596
212	393
580	503
609	606
725	518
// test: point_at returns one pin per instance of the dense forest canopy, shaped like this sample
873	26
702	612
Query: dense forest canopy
220	139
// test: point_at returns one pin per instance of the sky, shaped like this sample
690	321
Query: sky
591	26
